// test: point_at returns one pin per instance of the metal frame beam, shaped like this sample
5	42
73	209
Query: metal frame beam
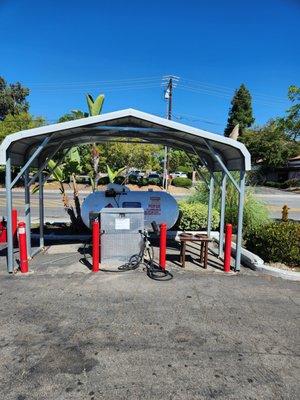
30	160
127	129
27	211
203	161
41	208
221	163
198	170
239	236
210	203
222	214
10	244
33	179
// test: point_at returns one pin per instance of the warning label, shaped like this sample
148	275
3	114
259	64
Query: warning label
154	206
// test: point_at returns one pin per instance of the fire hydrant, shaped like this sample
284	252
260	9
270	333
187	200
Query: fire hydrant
285	213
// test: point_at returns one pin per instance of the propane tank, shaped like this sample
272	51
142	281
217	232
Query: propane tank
158	206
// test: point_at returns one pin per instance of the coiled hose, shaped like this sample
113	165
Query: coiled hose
154	271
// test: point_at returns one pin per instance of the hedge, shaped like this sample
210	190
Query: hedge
182	182
104	180
193	216
154	181
276	242
284	185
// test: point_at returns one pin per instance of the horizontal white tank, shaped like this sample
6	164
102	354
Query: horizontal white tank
158	206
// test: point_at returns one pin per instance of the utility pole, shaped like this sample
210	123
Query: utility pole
171	83
170	88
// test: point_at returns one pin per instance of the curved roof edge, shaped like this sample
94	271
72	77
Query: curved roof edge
93	121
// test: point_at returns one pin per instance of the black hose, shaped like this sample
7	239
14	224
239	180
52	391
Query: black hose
154	271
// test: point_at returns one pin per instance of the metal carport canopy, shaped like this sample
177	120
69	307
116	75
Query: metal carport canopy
34	147
128	123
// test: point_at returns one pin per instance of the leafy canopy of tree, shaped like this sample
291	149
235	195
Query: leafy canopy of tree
133	155
12	98
74	114
240	111
19	122
291	122
270	145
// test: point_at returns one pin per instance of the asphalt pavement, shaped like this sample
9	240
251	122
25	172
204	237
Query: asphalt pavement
67	333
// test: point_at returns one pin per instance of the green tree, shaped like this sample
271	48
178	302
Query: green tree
179	161
12	98
133	155
74	114
240	111
291	122
19	122
270	145
90	154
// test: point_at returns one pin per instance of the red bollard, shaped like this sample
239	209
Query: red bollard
227	252
96	245
100	242
23	247
3	231
162	246
14	219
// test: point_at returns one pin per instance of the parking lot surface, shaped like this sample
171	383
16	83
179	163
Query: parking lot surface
67	333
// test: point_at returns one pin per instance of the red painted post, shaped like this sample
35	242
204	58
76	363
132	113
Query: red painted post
162	245
100	242
96	245
3	231
227	252
14	218
23	247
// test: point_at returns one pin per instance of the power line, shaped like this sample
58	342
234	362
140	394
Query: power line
104	82
226	95
131	83
104	89
195	118
229	90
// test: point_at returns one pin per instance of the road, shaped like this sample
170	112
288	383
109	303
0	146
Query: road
273	198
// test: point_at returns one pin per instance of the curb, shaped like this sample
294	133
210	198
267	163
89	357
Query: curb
254	262
279	273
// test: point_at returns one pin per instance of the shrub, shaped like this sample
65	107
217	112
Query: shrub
255	211
104	180
276	242
194	216
290	183
119	180
182	182
142	182
133	179
277	185
154	181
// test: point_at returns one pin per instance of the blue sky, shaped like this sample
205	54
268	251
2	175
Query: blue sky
64	49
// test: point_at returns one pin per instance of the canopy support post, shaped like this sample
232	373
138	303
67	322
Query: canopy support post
240	222
222	214
210	203
27	211
41	208
10	244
